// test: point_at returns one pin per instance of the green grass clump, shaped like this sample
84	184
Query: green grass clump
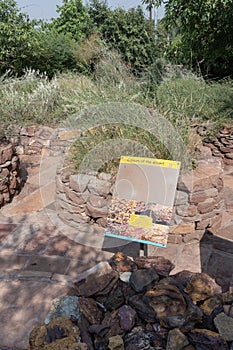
183	100
191	99
133	140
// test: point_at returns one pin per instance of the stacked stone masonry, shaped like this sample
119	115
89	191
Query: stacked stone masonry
222	145
10	174
84	199
34	140
199	202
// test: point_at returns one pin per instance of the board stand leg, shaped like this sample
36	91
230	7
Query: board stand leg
143	249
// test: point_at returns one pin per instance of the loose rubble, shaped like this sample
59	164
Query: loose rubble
10	172
137	304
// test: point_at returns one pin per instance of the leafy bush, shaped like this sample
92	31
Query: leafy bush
55	53
128	32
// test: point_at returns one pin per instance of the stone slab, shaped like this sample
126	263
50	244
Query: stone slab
48	264
24	305
13	261
5	230
188	258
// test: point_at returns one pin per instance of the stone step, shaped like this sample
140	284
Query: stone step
33	202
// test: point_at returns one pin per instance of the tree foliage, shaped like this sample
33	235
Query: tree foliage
55	52
16	37
129	32
204	35
73	19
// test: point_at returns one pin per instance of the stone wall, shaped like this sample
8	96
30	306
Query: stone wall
199	199
35	139
10	174
199	194
222	145
83	199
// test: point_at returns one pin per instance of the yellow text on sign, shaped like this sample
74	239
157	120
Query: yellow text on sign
151	161
140	221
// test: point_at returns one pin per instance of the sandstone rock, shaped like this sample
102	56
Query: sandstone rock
96	212
69	135
194	236
6	196
112	321
97	201
5	165
45	133
28	131
183	228
144	310
6	153
122	263
101	222
201	286
225	149
4	171
172	308
85	335
116	343
205	176
224	325
90	310
105	176
59	334
73	217
205	339
99	187
95	280
228	161
181	198
60	186
143	278
77	198
229	155
175	239
127	317
115	299
79	182
186	210
207	206
161	265
176	340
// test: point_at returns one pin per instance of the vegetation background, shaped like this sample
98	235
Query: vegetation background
91	54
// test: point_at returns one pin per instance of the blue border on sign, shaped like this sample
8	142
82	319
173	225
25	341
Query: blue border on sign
108	234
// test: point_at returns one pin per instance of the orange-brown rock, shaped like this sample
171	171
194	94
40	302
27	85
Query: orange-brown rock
59	334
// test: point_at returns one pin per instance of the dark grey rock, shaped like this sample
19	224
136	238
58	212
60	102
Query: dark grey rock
141	279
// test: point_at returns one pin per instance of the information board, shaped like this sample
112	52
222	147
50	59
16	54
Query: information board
143	198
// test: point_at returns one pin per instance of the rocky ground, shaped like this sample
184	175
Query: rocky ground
127	304
39	257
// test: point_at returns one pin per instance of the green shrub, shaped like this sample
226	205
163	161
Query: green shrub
30	99
191	98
